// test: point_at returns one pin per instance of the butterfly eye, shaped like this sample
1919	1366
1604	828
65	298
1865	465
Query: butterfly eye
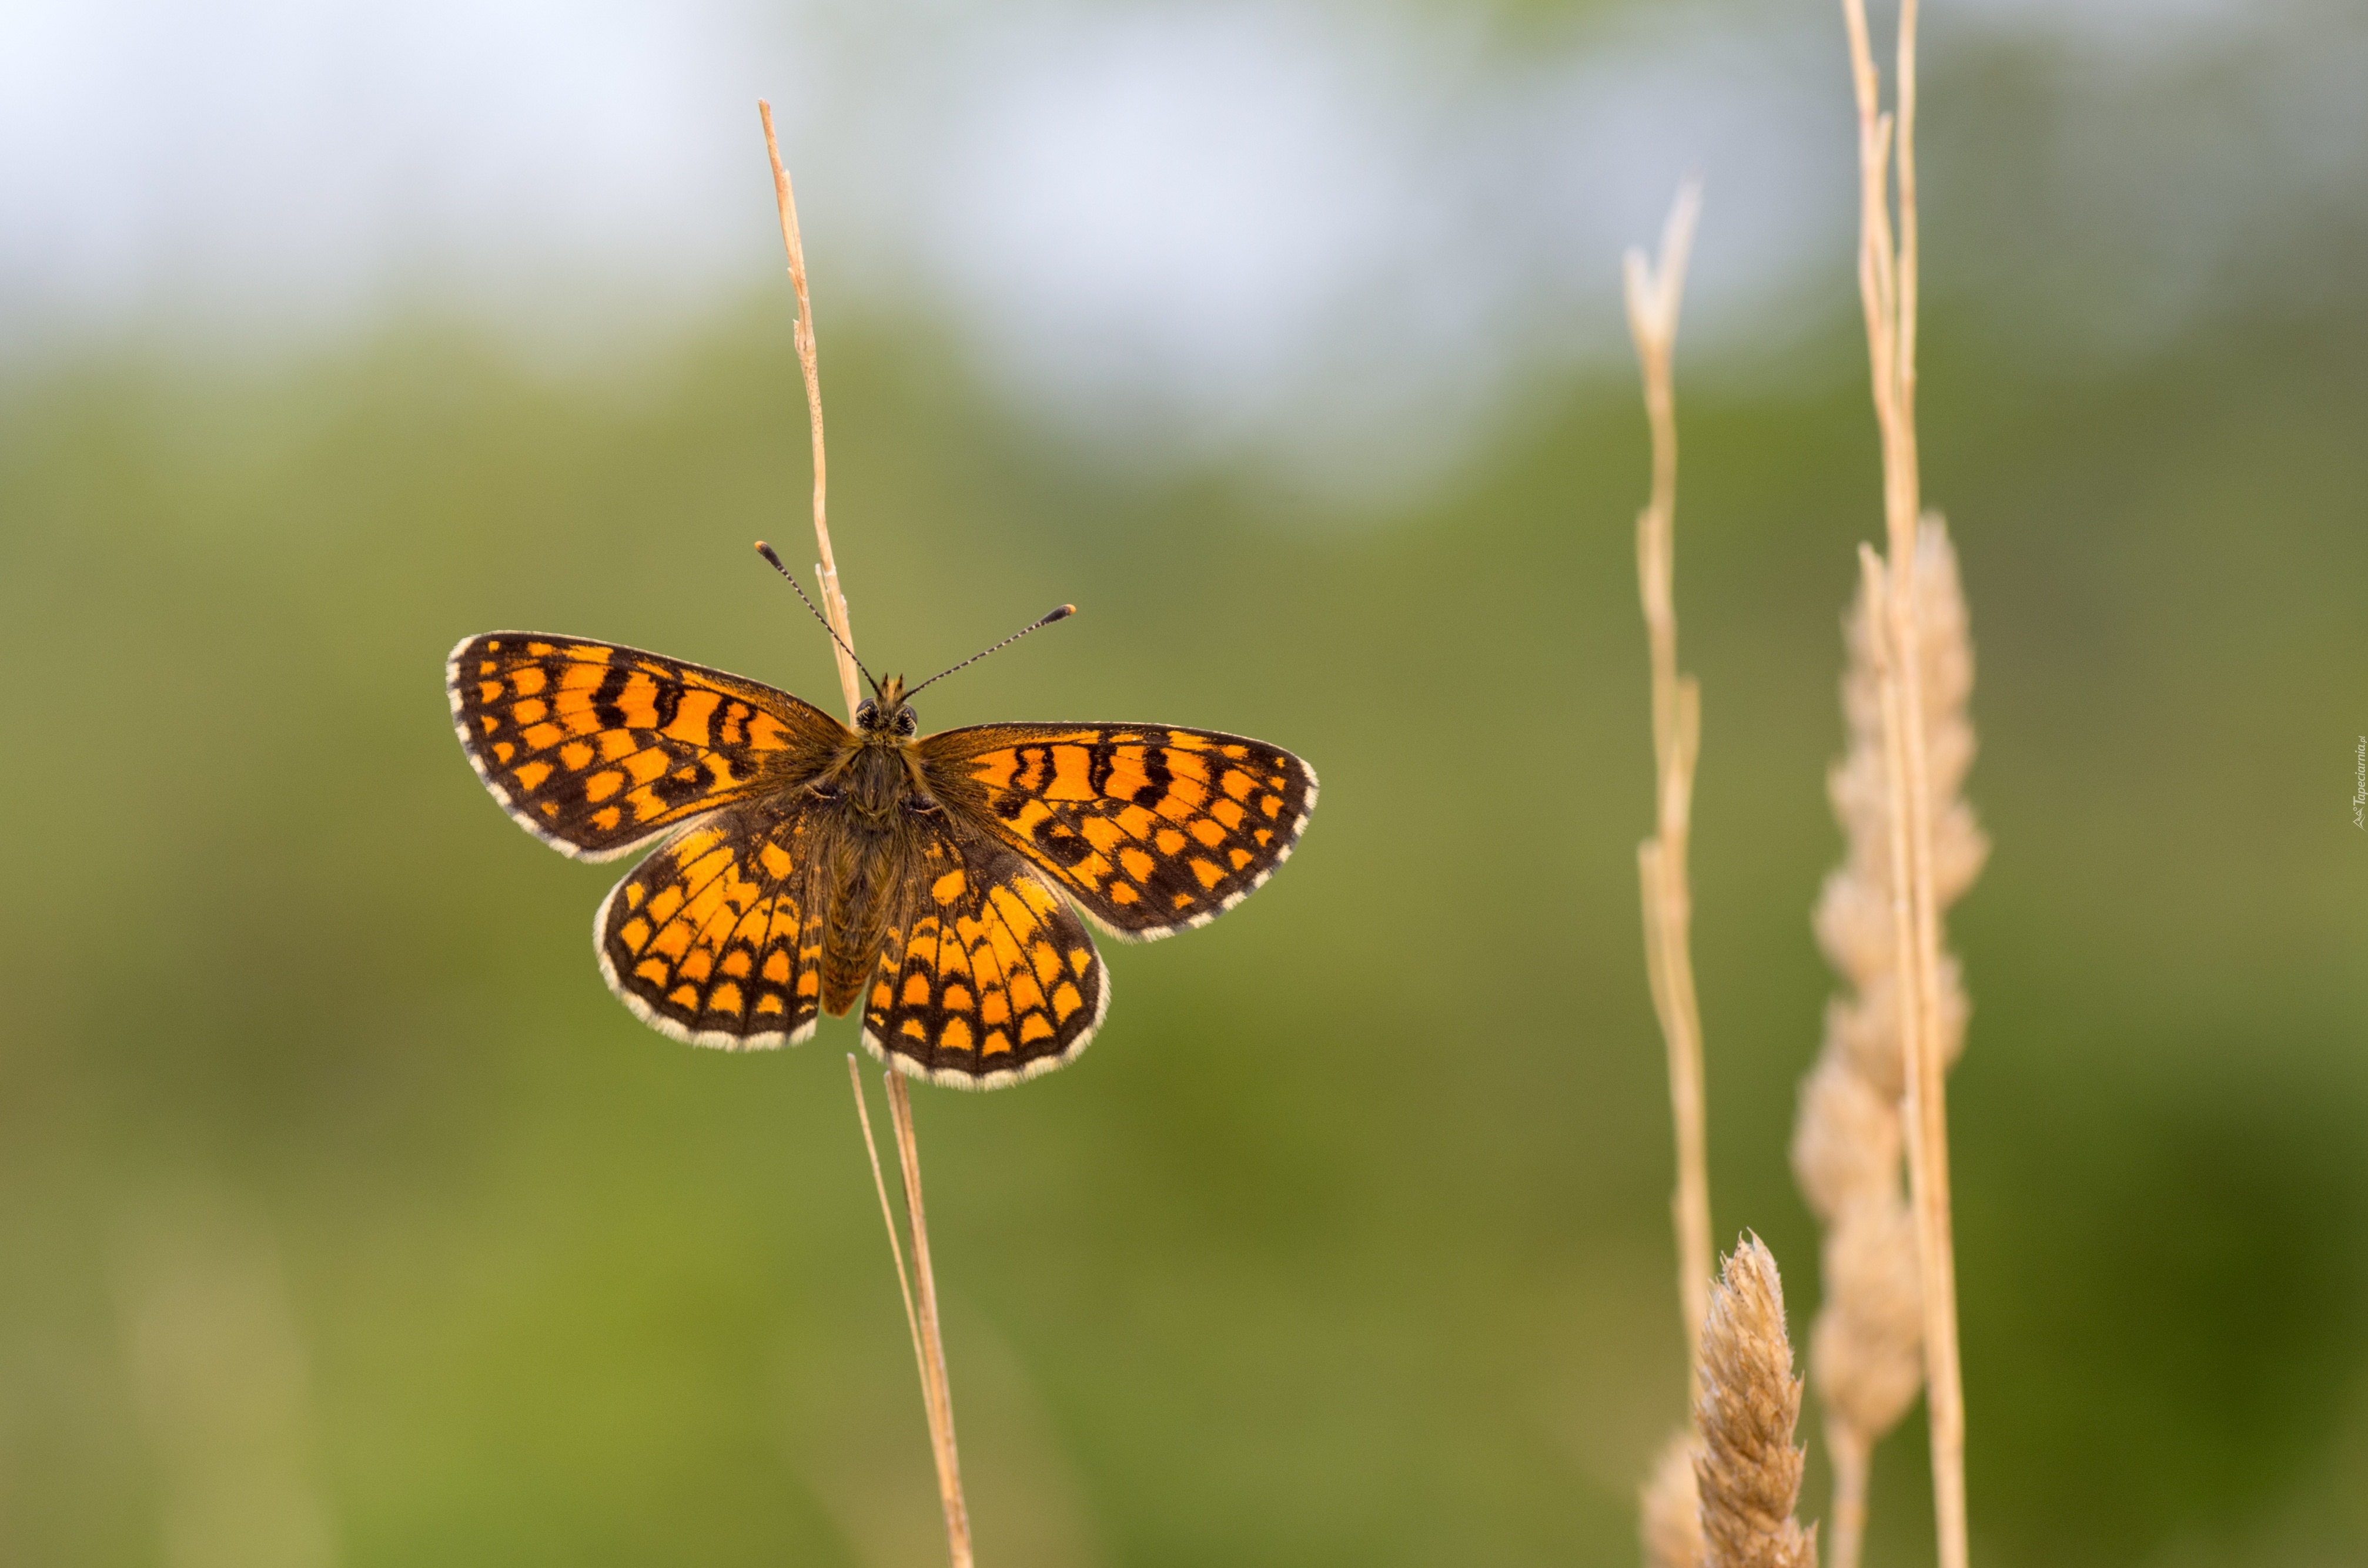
908	722
867	715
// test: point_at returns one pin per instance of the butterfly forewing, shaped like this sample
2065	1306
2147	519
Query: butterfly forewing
1150	828
597	749
717	939
987	976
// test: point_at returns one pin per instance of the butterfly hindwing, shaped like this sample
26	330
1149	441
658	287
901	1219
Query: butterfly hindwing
1149	827
717	939
595	749
987	976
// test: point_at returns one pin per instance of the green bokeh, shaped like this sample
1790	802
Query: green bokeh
1346	1242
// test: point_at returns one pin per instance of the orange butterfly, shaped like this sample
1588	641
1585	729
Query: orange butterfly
801	866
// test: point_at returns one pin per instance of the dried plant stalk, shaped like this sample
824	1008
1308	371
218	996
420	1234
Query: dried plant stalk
938	1395
1748	1471
1866	1349
1667	1514
929	1343
834	601
1887	287
896	1240
1655	292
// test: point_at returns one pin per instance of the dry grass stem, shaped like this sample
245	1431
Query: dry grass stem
1866	1349
1654	290
834	601
1668	1517
1747	1472
939	1396
921	1315
1888	285
888	1217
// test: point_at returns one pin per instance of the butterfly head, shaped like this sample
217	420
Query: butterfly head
889	716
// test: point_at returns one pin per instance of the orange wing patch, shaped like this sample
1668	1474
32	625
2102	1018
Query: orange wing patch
1151	829
595	749
987	977
717	939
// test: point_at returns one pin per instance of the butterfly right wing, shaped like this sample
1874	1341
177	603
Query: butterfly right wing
717	939
987	977
1152	828
597	749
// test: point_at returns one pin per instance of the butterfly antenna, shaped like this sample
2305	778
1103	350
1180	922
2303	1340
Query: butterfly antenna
766	552
1061	614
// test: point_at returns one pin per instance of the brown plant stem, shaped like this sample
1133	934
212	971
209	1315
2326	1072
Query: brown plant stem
1851	1458
1654	290
1867	1357
921	1318
933	1369
888	1216
1887	280
834	601
921	1315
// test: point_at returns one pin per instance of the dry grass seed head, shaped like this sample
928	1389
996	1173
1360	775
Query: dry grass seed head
1670	1521
1846	1141
1945	667
1866	1348
1748	1471
1865	1027
1867	1345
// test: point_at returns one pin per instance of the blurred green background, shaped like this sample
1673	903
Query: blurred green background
345	1218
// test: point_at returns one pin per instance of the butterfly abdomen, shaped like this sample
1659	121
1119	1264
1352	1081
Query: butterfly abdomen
864	872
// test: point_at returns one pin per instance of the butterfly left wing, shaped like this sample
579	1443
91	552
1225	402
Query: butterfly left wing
1151	828
987	977
597	749
717	939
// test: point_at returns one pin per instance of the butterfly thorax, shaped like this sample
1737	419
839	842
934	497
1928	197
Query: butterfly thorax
874	782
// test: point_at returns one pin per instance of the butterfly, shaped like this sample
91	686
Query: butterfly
798	867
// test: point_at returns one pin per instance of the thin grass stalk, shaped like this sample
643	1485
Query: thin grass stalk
834	601
1851	1458
921	1318
1926	1120
1887	273
1867	1358
1904	91
888	1217
1655	292
940	1395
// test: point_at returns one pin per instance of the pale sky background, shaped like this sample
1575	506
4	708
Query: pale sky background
1194	225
